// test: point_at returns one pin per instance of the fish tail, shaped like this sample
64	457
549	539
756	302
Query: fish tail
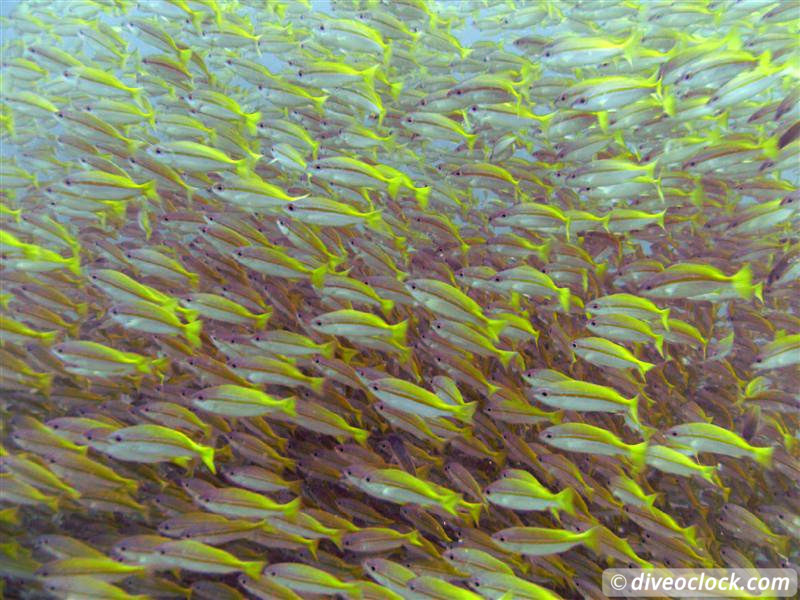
45	383
400	331
347	353
638	454
328	349
758	291
422	195
290	509
644	367
394	90
150	190
691	534
630	46
48	337
474	510
659	342
197	20
451	502
190	314
592	539
465	412
566	501
633	411
143	218
369	75
290	406
52	503
495	327
387	306
360	436
253	568
158	365
194	279
191	332
184	56
564	296
471	139
313	546
251	120
319	101
74	264
393	186
782	541
770	147
763	456
602	121
316	383
743	282
337	538
207	456
74	329
665	318
318	276
506	356
709	473
261	320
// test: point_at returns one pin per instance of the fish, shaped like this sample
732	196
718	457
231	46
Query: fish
601	351
580	437
408	397
395	299
239	401
520	490
139	441
541	541
707	437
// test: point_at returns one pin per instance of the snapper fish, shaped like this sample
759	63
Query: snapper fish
403	299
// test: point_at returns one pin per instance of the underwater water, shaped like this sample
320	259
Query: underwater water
396	298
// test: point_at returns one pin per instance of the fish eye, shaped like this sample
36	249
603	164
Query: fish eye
582	101
67	182
547	54
299	73
290	208
117	438
322	27
548	435
574	345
